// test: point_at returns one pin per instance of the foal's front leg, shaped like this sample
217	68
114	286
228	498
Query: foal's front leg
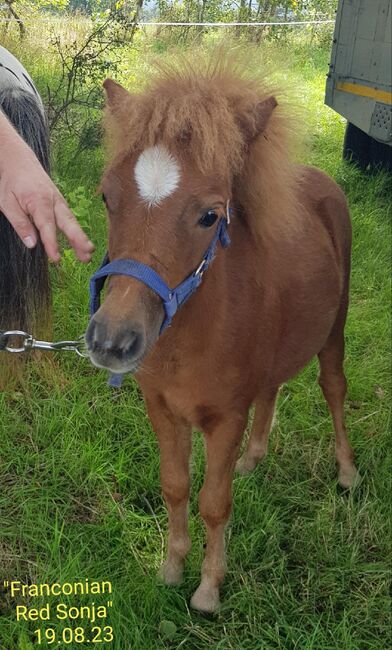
215	506
174	437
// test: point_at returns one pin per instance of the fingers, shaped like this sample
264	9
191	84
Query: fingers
67	223
20	221
41	210
29	198
47	232
47	213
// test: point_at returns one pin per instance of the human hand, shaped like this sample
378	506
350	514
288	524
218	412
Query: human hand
31	202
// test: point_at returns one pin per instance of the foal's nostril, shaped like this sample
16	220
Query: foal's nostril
131	344
96	332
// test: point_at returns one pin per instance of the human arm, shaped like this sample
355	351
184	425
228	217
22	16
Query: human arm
30	200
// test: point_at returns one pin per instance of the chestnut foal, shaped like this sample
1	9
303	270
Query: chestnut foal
183	151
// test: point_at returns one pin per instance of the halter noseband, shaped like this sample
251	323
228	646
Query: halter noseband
172	299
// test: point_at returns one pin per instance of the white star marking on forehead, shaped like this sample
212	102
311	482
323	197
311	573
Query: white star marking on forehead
157	174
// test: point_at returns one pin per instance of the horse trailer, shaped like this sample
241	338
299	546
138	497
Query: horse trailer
359	81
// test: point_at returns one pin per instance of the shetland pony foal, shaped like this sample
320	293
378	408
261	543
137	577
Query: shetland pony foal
182	150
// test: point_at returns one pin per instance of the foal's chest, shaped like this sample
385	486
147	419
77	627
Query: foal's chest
194	387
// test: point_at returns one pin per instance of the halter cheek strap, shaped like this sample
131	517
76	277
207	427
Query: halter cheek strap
172	299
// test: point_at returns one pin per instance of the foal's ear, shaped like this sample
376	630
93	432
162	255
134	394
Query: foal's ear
263	113
115	93
256	123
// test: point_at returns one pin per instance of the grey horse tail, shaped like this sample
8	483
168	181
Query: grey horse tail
24	280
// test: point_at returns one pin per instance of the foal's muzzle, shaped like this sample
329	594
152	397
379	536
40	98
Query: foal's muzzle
119	350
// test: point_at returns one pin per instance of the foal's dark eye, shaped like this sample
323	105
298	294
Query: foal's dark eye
104	199
208	219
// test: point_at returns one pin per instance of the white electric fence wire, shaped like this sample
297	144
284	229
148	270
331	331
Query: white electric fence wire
217	24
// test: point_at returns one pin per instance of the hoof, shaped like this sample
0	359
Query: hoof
348	477
205	599
245	465
171	572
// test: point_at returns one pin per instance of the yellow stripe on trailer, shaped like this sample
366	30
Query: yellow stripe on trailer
365	91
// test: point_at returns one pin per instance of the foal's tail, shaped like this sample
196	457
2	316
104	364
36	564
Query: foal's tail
24	279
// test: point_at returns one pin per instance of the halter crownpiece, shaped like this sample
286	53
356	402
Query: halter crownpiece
172	299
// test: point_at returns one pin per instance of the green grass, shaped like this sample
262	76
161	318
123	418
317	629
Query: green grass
309	565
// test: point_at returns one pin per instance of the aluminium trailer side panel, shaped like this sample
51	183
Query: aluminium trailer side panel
359	82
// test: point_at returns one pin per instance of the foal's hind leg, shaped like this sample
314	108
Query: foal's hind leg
258	439
334	386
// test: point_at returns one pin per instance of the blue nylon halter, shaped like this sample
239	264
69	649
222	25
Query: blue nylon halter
172	299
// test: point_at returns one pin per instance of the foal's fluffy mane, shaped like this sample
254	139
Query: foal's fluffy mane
206	108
